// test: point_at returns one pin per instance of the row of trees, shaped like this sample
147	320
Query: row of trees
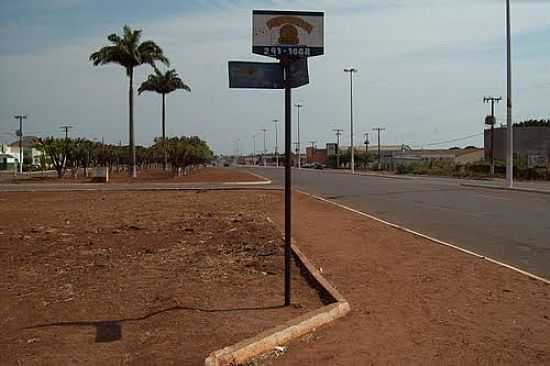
533	123
127	51
77	154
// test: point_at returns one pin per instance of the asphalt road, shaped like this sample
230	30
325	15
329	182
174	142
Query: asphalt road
513	227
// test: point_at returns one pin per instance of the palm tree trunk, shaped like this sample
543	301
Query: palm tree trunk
165	162
132	168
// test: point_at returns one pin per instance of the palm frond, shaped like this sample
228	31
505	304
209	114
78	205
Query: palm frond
127	51
163	83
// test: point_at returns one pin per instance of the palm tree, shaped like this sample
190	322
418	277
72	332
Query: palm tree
163	84
128	52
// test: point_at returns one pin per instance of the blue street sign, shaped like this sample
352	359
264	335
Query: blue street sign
261	75
255	75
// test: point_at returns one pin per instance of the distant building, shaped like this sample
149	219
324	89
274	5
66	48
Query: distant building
529	142
12	155
455	156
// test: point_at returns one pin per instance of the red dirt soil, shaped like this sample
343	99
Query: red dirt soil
413	302
138	278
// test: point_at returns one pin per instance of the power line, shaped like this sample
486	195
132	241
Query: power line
453	140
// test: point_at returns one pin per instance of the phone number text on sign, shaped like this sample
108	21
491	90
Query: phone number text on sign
287	51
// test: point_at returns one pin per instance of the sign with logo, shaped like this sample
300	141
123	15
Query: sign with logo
255	75
287	33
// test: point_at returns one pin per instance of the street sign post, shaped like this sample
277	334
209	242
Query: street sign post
291	37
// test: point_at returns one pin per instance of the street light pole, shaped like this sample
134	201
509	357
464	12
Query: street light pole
509	131
298	106
21	117
351	71
276	121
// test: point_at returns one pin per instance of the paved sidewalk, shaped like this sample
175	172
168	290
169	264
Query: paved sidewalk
414	302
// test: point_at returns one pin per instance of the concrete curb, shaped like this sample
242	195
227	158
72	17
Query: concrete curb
139	189
254	183
517	189
432	239
295	328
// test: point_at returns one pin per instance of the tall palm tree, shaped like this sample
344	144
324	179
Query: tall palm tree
128	52
163	84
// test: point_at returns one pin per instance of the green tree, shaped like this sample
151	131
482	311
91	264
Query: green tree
58	150
128	52
187	151
163	84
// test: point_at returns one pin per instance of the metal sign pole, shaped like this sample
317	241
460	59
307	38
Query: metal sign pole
288	182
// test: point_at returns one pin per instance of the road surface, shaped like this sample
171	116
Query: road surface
513	227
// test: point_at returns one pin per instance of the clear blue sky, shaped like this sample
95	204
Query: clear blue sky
424	67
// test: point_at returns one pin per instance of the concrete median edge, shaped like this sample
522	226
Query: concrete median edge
265	341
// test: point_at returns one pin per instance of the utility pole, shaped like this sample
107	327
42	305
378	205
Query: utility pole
510	130
264	130
66	128
351	71
366	135
312	149
254	150
338	134
378	129
298	106
21	117
490	120
276	122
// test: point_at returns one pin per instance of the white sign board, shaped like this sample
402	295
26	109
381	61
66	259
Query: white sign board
287	33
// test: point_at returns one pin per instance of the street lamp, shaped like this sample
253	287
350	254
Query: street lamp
298	106
509	132
351	71
276	122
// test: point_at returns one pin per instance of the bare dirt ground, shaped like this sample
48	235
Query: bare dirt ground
413	302
199	175
138	278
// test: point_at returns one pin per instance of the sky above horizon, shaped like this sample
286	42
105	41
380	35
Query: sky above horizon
424	68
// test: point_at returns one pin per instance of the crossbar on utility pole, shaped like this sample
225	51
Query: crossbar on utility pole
21	117
66	128
378	129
